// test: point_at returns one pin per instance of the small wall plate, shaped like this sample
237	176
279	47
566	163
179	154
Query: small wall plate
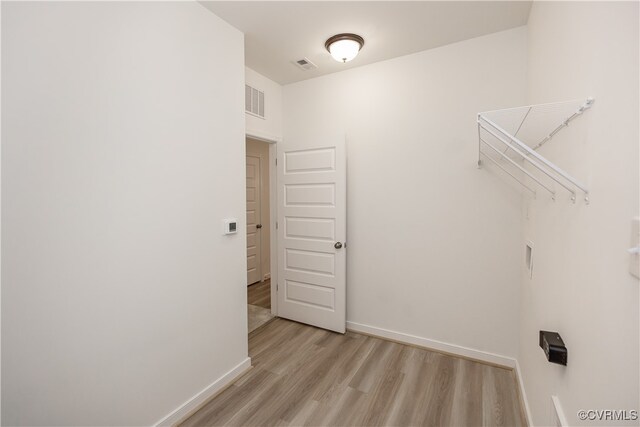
229	226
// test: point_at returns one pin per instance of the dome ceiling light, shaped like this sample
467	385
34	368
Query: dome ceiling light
344	47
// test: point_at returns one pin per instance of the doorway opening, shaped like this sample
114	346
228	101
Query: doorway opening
260	309
306	263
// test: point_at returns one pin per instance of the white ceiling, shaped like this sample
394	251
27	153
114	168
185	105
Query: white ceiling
280	32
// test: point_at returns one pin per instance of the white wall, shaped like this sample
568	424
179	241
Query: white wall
120	297
271	126
433	242
581	286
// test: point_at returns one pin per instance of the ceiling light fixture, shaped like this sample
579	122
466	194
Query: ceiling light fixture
344	47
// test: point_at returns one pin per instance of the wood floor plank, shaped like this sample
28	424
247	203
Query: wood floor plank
287	394
370	372
302	342
500	403
353	352
347	406
440	394
467	396
260	294
333	389
380	399
508	397
308	376
410	403
225	405
315	370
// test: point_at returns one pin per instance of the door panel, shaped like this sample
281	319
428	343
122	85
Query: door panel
308	293
312	218
323	159
253	217
310	261
310	195
310	228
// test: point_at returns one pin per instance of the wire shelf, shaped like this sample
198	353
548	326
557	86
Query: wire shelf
510	138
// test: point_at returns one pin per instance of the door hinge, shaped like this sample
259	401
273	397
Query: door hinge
276	161
276	225
277	287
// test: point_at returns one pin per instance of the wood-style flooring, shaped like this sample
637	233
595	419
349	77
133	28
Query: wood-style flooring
307	376
257	316
260	294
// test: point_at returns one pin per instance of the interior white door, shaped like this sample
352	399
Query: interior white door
311	234
253	220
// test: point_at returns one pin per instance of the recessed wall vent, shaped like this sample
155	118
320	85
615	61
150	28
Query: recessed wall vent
304	64
254	101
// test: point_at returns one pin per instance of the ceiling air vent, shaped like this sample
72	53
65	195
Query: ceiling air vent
254	101
304	64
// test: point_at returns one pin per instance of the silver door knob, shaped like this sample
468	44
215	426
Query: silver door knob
338	245
259	226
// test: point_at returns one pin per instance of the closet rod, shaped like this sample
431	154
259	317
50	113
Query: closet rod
537	156
509	173
535	164
526	172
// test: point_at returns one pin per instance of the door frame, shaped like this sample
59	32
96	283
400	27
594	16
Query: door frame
273	210
259	219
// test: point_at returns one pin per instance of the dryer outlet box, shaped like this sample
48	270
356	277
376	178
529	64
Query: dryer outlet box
553	347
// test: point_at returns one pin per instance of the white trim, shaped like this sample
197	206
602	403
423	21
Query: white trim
196	402
273	208
273	217
523	394
559	412
255	115
261	165
261	136
496	359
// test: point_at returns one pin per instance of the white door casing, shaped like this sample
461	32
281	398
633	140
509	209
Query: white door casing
254	273
311	234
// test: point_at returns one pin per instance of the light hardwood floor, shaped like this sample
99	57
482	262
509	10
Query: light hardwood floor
257	316
260	294
307	376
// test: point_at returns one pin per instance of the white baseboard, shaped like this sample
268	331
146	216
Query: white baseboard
523	394
193	404
457	350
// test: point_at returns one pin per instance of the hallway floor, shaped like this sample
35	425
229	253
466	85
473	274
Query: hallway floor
302	375
259	304
260	294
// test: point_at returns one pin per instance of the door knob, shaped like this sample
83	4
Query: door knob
258	225
338	245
